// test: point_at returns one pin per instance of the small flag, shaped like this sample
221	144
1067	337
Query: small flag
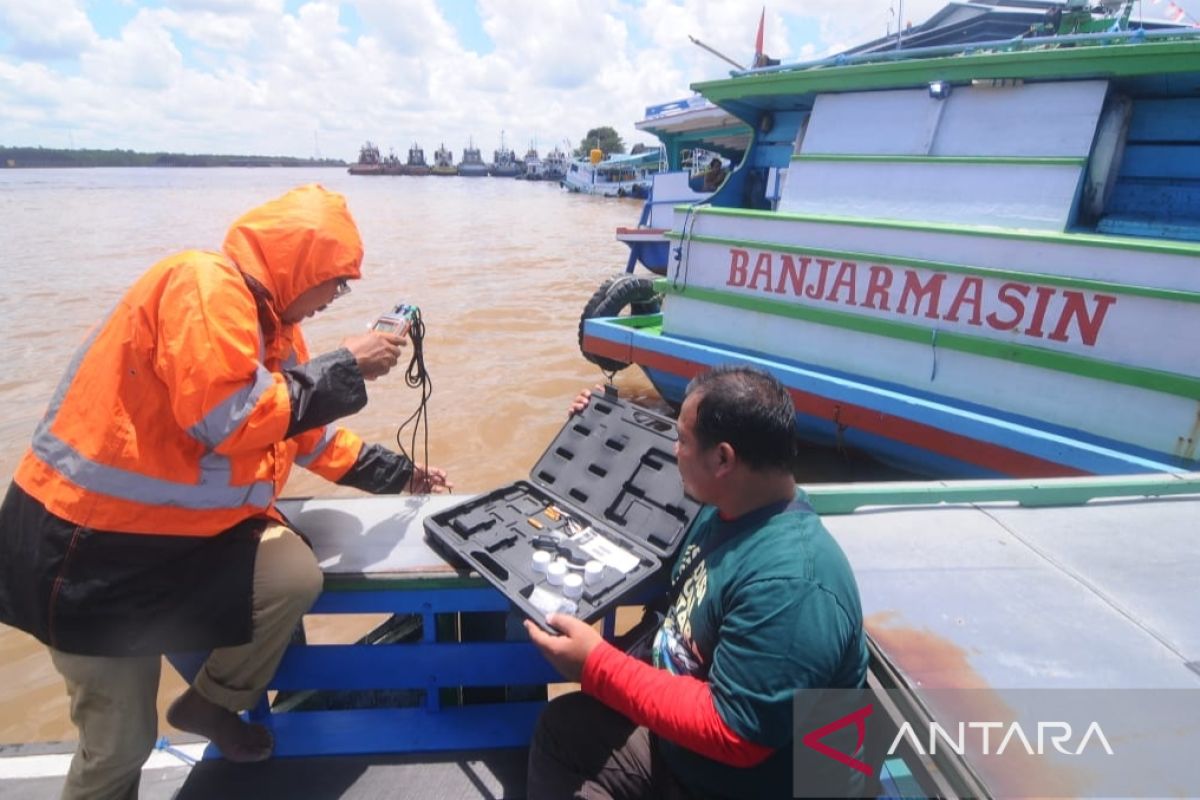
1174	12
758	40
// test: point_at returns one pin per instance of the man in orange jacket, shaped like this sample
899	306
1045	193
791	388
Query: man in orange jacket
142	519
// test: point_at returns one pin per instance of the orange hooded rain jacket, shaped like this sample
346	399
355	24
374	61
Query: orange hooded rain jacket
173	415
132	523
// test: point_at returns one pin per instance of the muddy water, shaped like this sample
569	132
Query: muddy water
500	269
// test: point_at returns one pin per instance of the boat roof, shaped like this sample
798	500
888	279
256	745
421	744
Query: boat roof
963	21
992	587
650	155
697	123
1081	582
1163	62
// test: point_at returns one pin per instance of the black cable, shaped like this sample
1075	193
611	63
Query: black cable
417	377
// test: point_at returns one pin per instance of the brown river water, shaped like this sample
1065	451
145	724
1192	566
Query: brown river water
500	269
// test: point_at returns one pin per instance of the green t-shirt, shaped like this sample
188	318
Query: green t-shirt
771	607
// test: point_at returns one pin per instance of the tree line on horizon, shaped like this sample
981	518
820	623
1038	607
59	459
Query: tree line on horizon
41	157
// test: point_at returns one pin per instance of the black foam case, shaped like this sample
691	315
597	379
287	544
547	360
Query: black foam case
611	468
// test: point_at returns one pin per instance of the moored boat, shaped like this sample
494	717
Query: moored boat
984	260
504	162
532	168
616	176
416	164
693	131
443	162
472	165
554	166
369	161
937	621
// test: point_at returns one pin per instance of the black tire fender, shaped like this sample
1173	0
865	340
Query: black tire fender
609	300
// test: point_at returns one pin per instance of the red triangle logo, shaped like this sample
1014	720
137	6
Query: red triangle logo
858	719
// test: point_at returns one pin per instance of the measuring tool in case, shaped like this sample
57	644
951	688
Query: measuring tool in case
609	508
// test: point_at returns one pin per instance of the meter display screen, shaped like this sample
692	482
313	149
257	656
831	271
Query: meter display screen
389	326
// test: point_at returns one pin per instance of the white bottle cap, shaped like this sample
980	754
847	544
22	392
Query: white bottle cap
593	571
555	572
572	585
541	559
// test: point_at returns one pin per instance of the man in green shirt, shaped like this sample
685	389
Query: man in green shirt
763	603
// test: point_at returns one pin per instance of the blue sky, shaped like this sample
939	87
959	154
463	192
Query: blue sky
299	77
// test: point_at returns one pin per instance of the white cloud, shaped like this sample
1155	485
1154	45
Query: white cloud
145	57
233	7
40	34
251	76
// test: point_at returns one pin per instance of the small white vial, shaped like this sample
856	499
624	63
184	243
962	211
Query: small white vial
541	560
572	585
555	571
593	571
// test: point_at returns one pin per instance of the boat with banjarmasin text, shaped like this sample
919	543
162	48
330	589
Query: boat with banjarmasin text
966	260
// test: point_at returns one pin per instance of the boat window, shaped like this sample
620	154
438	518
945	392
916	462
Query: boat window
1156	191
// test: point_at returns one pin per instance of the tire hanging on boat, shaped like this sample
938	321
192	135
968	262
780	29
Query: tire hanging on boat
609	300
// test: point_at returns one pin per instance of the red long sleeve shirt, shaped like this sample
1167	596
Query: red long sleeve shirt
676	707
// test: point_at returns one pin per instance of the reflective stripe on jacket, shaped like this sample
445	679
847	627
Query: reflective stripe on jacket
172	416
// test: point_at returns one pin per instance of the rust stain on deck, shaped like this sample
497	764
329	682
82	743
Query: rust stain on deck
932	662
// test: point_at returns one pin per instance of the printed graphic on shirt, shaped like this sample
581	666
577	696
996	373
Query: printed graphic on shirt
674	648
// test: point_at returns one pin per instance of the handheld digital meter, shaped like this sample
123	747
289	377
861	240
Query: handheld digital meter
396	321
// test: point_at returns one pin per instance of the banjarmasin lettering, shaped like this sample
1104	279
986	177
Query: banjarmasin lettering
1060	315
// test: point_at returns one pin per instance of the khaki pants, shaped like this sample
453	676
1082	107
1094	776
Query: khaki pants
113	699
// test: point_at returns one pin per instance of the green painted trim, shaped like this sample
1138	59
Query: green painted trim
1029	161
845	499
1150	379
1064	63
646	324
1191	249
961	269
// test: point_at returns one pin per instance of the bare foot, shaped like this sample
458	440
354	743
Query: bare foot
240	742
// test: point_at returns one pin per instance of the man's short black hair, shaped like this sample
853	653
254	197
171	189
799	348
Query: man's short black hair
751	410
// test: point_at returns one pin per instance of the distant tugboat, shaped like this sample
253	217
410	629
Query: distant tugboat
554	168
369	162
534	168
472	165
416	164
504	162
443	162
392	164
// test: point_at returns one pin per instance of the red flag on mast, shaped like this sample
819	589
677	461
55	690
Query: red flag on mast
758	40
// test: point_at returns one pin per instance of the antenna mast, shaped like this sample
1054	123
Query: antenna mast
719	55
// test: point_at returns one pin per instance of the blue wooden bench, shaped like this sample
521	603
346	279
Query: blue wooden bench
376	560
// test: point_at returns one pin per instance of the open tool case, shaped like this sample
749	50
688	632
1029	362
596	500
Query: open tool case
607	491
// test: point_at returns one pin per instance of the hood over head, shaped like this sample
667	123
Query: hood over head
295	242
